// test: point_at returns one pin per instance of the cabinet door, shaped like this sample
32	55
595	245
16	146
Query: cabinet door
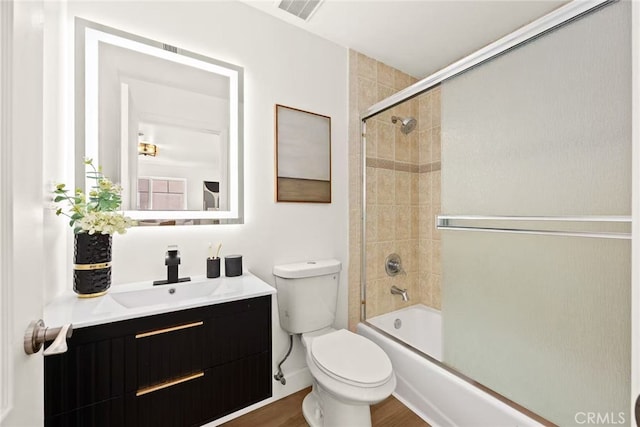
88	372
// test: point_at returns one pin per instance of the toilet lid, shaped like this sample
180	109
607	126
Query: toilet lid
351	358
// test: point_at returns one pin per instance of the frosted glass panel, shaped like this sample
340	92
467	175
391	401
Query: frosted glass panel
542	320
544	130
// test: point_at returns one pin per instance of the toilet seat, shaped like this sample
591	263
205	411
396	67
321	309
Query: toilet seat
351	359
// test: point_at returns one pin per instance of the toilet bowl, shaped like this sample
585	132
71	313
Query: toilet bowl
350	373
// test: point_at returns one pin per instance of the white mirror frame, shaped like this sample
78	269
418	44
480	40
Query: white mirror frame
87	36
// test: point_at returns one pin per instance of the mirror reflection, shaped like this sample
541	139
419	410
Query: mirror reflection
163	122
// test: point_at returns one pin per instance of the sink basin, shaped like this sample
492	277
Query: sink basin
132	300
171	294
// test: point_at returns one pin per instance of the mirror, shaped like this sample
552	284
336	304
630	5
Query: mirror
163	122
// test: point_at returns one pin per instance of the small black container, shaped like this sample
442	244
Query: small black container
213	268
233	265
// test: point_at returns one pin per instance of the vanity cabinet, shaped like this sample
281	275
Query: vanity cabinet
184	368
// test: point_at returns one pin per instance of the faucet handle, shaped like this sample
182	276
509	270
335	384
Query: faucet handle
393	265
173	256
172	261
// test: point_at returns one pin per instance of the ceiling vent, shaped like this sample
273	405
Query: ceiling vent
303	9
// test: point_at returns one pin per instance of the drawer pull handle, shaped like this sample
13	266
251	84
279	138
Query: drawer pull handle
151	389
171	329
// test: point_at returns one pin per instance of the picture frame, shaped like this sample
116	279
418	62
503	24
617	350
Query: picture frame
303	156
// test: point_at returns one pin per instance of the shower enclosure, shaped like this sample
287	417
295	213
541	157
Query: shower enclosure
505	189
402	192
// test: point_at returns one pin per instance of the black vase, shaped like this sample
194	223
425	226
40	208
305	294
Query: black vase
92	264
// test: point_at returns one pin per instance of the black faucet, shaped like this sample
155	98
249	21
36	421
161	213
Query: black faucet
172	260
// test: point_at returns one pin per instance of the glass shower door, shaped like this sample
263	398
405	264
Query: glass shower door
536	197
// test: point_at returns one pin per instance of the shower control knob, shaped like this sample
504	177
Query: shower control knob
393	265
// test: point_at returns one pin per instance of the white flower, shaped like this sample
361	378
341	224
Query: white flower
98	214
105	223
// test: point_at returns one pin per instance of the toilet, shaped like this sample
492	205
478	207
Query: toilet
349	372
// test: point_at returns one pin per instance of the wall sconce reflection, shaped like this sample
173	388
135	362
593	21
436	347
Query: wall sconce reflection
146	149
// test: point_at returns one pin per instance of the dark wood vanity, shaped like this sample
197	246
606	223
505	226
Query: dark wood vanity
183	368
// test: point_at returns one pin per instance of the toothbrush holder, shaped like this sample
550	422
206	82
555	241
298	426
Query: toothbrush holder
213	268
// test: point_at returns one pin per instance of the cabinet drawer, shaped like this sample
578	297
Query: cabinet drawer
175	405
236	385
167	353
236	334
212	394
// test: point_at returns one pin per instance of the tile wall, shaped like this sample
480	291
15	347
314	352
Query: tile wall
402	189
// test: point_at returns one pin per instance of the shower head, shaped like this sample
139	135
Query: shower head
408	124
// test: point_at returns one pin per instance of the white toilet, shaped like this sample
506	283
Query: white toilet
350	372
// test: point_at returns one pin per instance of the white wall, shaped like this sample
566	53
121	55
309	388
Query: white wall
282	64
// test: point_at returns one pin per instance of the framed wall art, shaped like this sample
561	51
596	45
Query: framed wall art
303	156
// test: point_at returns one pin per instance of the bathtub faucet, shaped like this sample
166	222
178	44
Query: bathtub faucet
397	291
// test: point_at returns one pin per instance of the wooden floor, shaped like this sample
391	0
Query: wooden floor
287	412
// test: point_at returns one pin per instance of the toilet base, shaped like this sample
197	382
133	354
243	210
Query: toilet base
311	411
321	409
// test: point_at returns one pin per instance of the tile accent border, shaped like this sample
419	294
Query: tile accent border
402	166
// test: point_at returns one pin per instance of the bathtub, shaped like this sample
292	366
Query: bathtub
432	392
418	325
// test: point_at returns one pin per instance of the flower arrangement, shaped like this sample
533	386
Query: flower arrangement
97	214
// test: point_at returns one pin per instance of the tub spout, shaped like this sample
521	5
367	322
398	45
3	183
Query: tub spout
402	292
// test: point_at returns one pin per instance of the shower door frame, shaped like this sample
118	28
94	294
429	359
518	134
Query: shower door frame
635	207
555	19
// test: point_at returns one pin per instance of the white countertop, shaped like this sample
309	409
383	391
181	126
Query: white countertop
144	299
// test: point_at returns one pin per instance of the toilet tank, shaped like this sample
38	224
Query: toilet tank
307	294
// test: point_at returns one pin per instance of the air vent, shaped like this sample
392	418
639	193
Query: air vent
170	48
303	9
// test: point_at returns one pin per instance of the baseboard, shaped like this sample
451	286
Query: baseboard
296	381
